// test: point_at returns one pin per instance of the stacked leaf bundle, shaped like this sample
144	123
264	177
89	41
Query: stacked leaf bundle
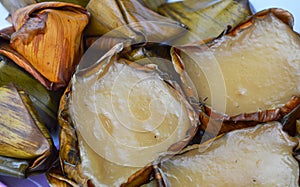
28	104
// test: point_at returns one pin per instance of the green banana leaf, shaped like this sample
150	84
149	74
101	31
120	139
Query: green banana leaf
46	102
13	167
25	146
154	54
206	18
153	4
129	19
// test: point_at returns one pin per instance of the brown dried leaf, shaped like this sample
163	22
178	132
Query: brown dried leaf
51	56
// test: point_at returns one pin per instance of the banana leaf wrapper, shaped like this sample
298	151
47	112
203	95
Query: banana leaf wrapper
127	22
26	145
216	123
154	4
130	20
49	56
206	19
72	172
12	6
7	51
45	102
82	3
212	119
96	47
